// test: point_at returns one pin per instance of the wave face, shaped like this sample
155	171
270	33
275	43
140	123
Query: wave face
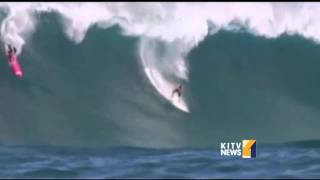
246	74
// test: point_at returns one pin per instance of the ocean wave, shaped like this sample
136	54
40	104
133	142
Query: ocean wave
97	92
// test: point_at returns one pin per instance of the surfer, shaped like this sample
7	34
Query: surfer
13	62
177	90
11	52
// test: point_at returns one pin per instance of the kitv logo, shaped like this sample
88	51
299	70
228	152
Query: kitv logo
246	148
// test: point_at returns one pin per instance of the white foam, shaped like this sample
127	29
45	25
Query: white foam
178	21
160	71
15	28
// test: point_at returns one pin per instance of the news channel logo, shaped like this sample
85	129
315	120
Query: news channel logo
245	148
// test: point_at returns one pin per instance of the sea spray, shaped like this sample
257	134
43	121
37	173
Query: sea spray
16	27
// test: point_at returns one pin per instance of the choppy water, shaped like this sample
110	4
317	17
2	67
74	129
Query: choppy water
272	161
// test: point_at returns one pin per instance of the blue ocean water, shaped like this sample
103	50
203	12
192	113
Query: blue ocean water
272	161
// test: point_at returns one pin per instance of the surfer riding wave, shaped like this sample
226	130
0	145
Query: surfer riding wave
11	52
13	62
177	90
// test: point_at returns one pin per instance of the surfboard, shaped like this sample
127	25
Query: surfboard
180	104
15	66
165	89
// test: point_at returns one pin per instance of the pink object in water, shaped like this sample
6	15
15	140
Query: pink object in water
15	66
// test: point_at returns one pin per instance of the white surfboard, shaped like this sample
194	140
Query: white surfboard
179	103
165	89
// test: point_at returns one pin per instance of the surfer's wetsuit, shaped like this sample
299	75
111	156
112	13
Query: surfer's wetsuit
178	91
11	51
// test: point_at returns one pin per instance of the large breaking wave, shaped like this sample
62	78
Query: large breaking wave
181	25
163	36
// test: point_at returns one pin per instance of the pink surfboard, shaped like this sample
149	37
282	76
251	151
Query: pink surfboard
15	66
